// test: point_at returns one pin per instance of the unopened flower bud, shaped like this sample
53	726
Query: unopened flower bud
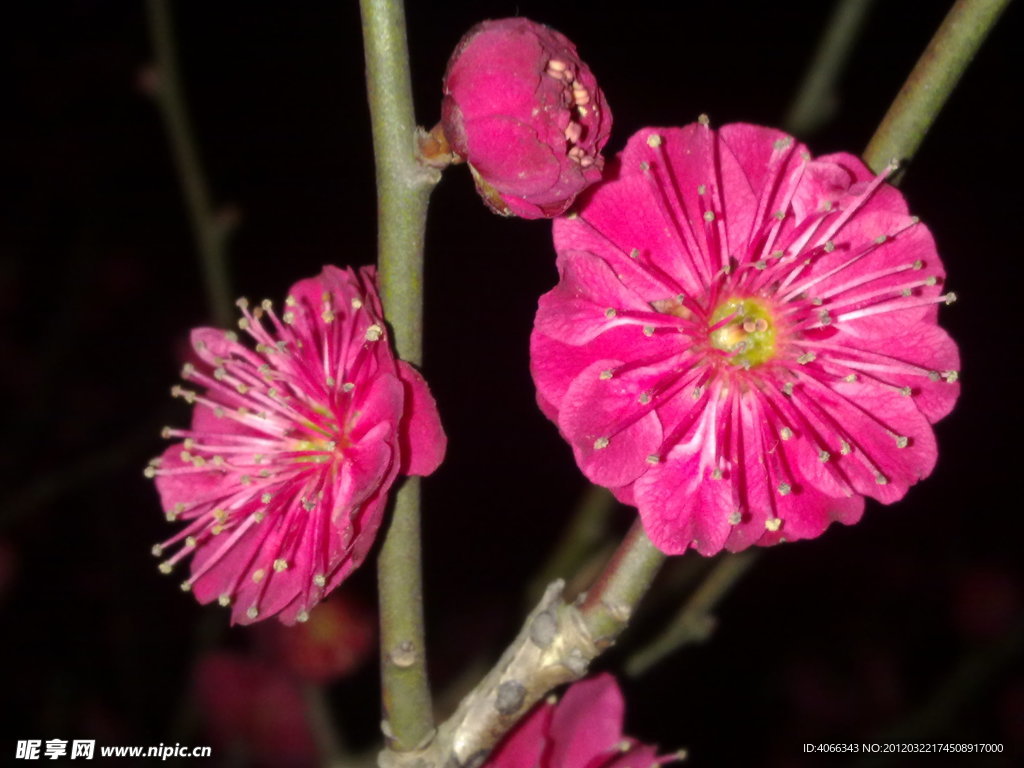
526	114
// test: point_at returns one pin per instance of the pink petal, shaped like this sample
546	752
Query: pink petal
423	441
587	722
611	444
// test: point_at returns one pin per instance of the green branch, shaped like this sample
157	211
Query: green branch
209	229
816	100
403	192
610	603
932	81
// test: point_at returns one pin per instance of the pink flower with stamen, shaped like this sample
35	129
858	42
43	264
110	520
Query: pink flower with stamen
583	730
283	477
527	115
743	342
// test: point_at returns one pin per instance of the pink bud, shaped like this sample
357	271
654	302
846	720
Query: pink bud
526	114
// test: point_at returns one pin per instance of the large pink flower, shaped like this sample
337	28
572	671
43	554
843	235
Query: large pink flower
527	115
583	730
743	342
283	476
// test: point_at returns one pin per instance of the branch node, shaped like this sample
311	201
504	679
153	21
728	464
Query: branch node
404	656
510	697
543	628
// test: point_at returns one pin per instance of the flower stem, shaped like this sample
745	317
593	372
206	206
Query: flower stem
584	536
403	183
403	192
932	81
610	603
210	231
816	101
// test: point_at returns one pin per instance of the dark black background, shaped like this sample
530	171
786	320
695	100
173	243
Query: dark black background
910	620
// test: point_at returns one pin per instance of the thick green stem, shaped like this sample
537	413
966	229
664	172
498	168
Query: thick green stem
405	689
210	231
610	603
403	183
582	540
932	81
403	191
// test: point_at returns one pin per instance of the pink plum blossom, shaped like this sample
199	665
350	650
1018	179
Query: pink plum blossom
583	730
283	477
743	342
527	115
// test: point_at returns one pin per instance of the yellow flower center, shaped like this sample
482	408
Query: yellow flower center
743	328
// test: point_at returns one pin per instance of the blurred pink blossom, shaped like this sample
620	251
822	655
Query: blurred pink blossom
252	711
338	638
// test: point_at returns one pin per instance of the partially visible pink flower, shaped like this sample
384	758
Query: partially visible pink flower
527	115
743	343
338	638
284	474
583	730
253	711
